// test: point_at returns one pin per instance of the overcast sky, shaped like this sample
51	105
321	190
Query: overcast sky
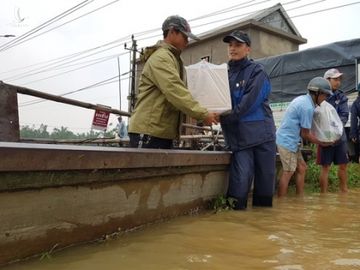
28	64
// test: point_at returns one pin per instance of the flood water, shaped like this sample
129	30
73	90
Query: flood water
314	232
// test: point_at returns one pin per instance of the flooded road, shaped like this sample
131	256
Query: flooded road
314	232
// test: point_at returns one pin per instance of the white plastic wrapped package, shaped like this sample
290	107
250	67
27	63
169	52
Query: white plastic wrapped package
209	85
326	125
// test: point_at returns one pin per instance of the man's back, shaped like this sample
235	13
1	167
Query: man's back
298	115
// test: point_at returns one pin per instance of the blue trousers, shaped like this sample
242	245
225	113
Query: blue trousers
253	164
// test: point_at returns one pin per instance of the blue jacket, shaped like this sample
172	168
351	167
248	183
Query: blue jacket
250	122
355	116
340	102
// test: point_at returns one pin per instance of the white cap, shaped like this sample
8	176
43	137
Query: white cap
332	74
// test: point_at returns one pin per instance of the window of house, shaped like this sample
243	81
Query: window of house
206	58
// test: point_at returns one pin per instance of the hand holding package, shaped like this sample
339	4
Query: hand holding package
209	85
326	125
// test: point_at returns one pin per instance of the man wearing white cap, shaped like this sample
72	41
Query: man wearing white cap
336	153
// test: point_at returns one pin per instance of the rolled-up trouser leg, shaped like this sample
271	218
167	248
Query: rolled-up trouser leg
240	177
264	180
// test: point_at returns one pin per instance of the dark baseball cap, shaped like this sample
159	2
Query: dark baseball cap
178	23
238	36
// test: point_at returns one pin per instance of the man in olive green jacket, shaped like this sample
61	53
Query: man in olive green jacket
163	95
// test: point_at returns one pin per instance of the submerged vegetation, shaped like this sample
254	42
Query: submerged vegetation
223	203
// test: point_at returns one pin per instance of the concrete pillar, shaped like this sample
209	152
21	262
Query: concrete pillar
9	115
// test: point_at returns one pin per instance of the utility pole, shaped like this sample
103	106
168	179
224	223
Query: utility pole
132	95
118	61
133	74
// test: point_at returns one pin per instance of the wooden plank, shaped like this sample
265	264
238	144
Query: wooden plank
9	116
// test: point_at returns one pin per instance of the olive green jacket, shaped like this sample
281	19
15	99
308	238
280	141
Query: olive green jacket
163	94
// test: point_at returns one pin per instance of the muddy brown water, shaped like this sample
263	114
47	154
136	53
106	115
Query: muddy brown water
313	232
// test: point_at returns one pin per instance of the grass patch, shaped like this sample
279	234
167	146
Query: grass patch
223	203
313	173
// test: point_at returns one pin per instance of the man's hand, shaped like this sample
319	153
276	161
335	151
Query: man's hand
225	113
354	140
324	144
211	118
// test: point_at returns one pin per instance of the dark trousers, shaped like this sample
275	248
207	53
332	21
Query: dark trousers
147	141
253	164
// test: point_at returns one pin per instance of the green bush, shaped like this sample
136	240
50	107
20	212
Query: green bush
313	174
223	203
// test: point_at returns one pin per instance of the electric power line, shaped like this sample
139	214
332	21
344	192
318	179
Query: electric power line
111	80
150	31
229	18
71	70
225	10
50	62
63	65
97	84
324	10
306	5
51	29
45	24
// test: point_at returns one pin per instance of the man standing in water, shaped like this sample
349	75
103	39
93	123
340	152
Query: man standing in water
295	126
249	128
336	153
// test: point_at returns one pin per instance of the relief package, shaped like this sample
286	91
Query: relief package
326	125
209	85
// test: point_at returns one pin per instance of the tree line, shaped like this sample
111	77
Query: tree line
62	133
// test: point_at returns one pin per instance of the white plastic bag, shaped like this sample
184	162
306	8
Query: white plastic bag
209	85
326	125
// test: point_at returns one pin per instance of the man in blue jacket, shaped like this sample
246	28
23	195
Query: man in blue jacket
336	153
355	124
249	128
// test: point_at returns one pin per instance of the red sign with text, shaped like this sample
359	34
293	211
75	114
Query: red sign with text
100	120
